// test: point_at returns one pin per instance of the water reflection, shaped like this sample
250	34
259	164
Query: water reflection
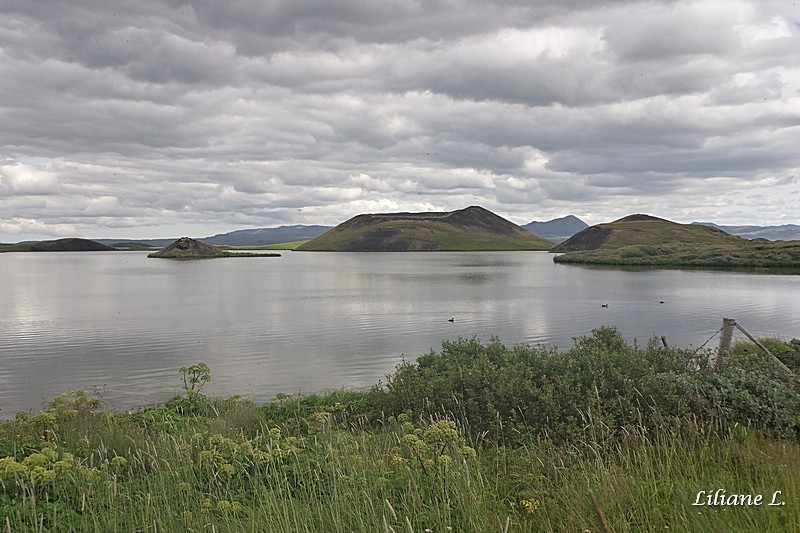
312	321
776	271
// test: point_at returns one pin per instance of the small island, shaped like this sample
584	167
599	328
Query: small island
188	248
644	240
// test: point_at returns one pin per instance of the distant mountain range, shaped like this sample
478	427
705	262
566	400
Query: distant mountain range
261	236
557	230
242	237
786	232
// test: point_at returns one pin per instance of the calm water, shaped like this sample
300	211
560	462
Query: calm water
122	324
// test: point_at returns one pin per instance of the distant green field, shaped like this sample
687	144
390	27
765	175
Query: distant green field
292	245
15	247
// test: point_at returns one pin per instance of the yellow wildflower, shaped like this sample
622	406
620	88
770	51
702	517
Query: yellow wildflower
42	476
35	459
529	505
10	467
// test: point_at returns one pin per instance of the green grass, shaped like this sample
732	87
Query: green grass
224	253
787	352
745	254
15	247
454	442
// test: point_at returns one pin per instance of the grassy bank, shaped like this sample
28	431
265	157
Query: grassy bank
291	245
741	254
475	437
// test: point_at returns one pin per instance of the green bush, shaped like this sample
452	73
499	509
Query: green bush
522	392
528	438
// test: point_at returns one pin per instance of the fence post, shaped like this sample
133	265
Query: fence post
724	340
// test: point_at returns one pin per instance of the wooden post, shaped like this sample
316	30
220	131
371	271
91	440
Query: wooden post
724	341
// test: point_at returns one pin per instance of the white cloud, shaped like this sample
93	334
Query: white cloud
211	115
17	179
22	226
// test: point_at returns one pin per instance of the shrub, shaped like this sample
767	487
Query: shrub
516	393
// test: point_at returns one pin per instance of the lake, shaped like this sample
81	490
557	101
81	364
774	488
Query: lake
121	324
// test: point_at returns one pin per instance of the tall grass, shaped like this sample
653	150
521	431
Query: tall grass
376	461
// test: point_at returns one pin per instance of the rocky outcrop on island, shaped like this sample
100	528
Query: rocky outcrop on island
470	229
70	245
187	248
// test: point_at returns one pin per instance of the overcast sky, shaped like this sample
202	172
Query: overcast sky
162	118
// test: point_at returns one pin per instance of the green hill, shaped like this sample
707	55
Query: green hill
647	240
71	244
470	229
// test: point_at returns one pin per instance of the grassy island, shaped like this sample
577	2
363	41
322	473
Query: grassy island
606	436
642	240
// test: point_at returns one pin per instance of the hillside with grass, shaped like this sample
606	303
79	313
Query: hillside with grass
470	229
650	241
71	244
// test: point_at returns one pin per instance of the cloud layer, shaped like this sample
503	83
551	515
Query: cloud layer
160	118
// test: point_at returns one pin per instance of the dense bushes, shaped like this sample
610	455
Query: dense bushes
515	393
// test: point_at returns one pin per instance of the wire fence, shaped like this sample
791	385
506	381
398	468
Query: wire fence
726	333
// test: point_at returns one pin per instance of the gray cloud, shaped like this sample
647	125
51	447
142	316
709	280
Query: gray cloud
196	117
